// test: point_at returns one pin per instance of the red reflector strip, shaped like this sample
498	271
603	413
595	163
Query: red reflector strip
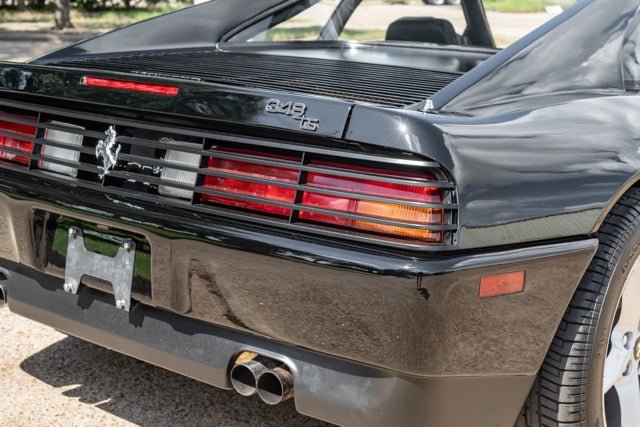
501	284
15	143
132	86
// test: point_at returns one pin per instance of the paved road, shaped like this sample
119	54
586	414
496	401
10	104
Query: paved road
19	42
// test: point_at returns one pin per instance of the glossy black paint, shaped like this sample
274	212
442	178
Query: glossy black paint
423	56
230	105
500	194
338	391
541	140
201	25
525	170
523	176
386	308
575	55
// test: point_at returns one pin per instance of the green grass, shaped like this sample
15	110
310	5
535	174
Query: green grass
117	18
312	32
524	5
93	243
102	19
99	19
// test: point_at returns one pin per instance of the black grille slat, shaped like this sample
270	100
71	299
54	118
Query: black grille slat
36	157
50	143
325	84
144	159
292	186
273	145
262	161
322	70
253	199
384	85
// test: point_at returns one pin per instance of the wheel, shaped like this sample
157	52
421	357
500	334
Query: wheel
452	2
590	374
433	2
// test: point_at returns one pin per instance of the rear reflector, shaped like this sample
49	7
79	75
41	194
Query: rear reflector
269	191
177	176
132	86
15	143
501	284
65	154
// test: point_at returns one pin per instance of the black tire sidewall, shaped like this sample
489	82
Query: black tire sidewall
625	261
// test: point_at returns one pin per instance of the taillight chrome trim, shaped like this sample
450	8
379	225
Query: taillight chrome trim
205	144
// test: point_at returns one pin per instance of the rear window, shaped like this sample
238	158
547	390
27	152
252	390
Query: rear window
420	21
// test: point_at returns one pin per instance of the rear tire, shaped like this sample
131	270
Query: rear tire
590	374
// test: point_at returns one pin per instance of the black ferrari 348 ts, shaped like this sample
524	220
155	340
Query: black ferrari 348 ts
415	229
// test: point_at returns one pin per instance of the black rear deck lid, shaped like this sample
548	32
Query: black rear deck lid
383	85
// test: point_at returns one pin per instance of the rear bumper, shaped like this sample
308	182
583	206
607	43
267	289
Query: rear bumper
327	388
372	336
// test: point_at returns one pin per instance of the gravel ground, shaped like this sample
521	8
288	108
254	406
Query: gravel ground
50	379
19	42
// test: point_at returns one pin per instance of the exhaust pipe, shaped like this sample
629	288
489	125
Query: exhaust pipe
3	290
244	374
271	379
275	385
3	295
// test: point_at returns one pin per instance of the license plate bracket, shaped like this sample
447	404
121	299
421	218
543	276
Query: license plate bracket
116	270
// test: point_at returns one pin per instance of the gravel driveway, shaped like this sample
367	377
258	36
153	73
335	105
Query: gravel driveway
19	42
50	379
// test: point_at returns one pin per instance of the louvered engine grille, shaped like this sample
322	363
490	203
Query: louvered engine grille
352	81
143	157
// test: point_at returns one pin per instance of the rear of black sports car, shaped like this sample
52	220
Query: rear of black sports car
386	244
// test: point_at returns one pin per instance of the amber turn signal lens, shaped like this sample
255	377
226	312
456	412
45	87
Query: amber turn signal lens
401	213
373	209
501	284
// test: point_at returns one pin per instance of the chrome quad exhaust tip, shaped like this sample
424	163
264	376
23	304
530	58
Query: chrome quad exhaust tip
245	372
271	379
275	386
3	289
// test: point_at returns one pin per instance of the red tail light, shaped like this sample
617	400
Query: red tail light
380	210
366	199
14	143
132	86
270	192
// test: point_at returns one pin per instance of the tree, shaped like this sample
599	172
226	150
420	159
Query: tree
62	15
